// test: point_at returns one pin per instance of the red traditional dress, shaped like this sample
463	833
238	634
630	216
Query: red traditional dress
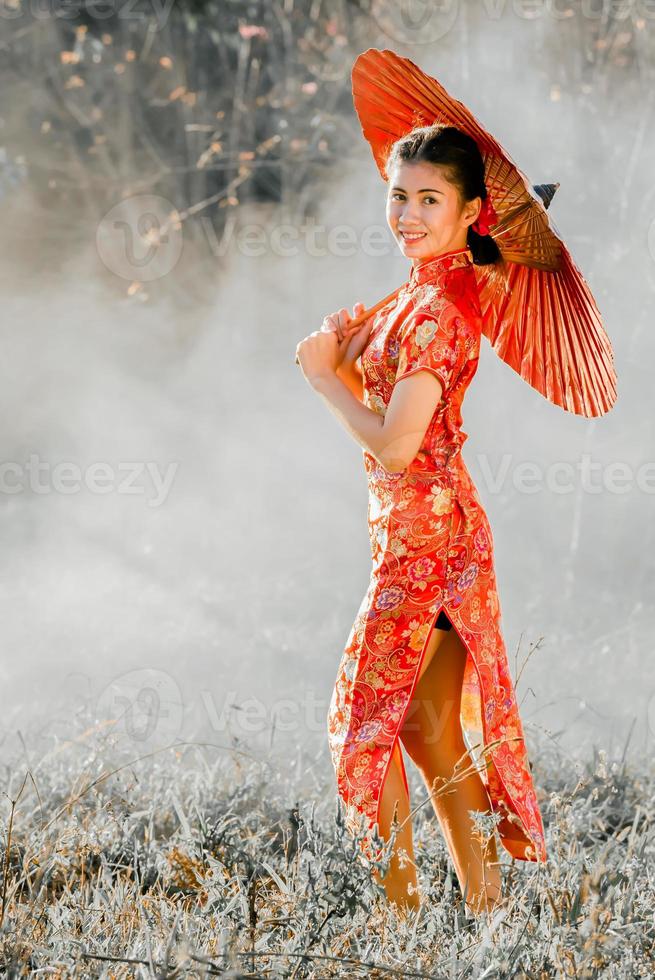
432	550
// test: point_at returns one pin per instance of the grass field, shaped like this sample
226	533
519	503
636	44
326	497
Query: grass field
203	860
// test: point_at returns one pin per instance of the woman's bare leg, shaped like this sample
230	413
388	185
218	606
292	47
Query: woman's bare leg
432	735
400	882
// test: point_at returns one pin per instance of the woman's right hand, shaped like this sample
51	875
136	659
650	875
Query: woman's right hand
351	342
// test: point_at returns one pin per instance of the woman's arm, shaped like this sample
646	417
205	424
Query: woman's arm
396	438
427	357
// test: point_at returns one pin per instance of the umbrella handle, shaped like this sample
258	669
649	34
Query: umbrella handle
358	320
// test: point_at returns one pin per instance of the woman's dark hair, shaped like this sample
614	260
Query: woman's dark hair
460	156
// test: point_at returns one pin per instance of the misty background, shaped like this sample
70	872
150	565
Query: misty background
188	559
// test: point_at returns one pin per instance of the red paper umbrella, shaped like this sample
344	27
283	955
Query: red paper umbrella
538	311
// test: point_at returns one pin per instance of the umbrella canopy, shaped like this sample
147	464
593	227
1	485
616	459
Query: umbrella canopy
538	311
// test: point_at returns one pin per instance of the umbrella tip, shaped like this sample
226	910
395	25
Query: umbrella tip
546	192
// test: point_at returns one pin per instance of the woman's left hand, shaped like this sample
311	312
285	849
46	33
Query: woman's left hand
322	352
319	355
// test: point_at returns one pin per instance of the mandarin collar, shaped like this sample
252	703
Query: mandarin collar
430	269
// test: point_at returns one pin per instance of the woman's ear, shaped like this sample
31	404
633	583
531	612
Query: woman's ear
472	210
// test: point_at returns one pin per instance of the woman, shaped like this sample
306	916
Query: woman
426	645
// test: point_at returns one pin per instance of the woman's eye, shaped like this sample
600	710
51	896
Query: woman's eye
425	199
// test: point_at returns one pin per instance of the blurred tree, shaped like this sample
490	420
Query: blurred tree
209	104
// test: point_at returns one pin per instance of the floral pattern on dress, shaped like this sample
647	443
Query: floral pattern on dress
431	549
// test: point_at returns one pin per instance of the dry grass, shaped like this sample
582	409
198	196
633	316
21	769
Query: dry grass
198	862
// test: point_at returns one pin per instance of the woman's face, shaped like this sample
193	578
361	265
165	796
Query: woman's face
420	201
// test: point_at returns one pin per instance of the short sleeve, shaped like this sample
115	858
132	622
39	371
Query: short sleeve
428	342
